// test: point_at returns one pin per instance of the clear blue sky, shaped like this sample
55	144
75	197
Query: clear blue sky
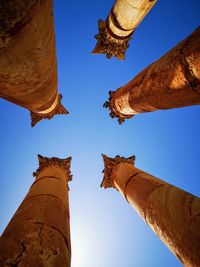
105	230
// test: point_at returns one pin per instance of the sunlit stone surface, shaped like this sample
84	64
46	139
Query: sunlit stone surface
28	68
171	82
173	214
123	19
39	232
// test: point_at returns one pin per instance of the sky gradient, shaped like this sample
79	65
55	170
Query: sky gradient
105	230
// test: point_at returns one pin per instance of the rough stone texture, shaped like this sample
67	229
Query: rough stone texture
28	68
173	214
115	33
39	232
171	82
13	17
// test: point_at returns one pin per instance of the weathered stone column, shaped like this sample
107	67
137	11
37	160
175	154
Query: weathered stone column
28	68
123	19
173	214
171	82
39	232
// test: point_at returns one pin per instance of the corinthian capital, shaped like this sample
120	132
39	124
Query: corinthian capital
109	164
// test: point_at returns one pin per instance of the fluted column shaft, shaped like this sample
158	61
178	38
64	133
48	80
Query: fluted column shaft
122	20
173	81
173	214
28	68
39	232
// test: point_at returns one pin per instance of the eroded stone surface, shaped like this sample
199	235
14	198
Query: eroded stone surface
28	67
39	232
173	214
173	81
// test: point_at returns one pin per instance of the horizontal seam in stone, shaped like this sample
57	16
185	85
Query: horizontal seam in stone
50	195
116	22
126	184
121	38
45	177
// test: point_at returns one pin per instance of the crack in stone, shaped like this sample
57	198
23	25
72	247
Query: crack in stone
190	76
188	224
65	239
50	195
54	254
15	262
55	229
40	239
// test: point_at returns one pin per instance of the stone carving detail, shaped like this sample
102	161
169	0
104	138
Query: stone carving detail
109	164
59	109
113	113
147	92
44	162
106	44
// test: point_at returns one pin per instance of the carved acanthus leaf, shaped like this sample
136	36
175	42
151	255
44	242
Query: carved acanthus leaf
107	44
45	162
59	109
113	112
109	164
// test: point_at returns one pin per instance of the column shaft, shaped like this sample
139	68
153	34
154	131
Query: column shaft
39	232
173	214
28	68
173	81
115	33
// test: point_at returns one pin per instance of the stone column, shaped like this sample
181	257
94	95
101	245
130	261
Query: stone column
28	68
173	214
39	232
123	19
173	81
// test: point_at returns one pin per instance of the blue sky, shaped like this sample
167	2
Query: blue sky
105	230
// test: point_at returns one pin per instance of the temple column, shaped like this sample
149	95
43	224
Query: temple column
123	19
173	214
173	81
39	232
28	68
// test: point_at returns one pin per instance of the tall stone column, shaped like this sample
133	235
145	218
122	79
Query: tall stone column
28	68
173	81
39	232
173	214
116	31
